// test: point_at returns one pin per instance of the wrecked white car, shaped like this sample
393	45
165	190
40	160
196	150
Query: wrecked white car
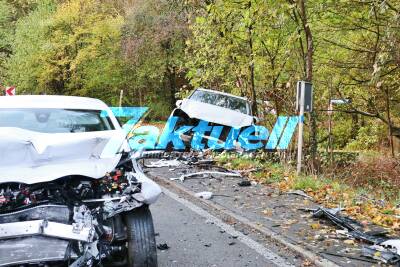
215	107
71	191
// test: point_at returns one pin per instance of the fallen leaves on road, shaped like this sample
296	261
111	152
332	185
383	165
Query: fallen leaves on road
315	226
349	242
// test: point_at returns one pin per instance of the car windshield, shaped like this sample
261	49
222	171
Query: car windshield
221	100
56	120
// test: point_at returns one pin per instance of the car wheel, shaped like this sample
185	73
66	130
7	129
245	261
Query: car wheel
142	251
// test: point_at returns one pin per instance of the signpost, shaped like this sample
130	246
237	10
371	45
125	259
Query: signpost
10	91
304	103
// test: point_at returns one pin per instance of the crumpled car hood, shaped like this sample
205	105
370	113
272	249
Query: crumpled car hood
215	114
31	157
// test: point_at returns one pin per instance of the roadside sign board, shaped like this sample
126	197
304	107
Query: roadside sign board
307	88
10	91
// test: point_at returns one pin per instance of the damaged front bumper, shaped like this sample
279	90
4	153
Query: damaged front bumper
81	231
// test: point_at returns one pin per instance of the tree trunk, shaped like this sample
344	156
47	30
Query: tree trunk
354	126
253	89
389	118
172	86
251	67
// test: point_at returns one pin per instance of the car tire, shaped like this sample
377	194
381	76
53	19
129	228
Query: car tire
142	251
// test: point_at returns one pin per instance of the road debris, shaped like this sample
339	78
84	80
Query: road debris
353	227
244	183
299	193
382	254
163	246
204	195
205	174
164	163
387	252
393	244
208	195
383	249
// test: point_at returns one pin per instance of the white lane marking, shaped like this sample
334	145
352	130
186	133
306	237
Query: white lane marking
263	251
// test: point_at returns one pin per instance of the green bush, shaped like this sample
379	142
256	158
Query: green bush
368	137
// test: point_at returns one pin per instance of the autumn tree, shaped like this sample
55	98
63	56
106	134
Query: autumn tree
154	38
363	57
75	49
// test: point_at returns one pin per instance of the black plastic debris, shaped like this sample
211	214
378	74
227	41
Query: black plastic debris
383	249
244	183
381	254
353	227
163	246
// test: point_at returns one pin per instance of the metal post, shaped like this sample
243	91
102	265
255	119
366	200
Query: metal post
301	126
330	111
330	143
121	94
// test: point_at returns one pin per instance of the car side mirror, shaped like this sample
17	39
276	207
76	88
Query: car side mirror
178	103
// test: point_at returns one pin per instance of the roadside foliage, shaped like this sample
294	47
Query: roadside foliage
157	51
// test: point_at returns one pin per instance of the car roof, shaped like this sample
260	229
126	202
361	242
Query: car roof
221	93
51	101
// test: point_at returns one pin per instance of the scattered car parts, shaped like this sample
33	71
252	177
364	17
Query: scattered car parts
205	174
383	253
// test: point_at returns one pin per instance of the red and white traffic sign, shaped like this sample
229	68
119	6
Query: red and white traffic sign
10	91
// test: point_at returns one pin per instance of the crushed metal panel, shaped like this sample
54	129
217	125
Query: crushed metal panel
30	250
65	231
42	227
19	229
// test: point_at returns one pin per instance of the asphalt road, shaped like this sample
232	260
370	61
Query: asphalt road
196	238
